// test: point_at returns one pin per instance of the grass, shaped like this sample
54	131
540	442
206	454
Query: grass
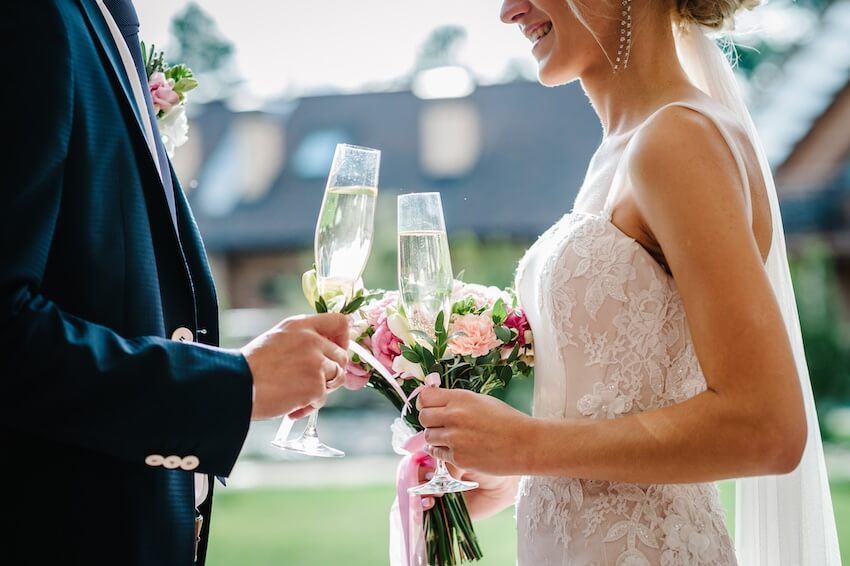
317	527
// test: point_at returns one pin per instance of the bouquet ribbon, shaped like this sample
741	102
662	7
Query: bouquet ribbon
412	446
409	509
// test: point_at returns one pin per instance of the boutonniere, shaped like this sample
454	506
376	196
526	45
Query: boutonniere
168	86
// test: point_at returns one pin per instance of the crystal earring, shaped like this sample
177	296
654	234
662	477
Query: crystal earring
624	48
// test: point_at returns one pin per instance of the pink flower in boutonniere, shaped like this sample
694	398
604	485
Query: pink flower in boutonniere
162	92
168	86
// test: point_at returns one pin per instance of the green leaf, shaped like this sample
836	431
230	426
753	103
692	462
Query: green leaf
500	313
514	354
428	360
355	304
440	323
185	85
411	355
321	305
503	333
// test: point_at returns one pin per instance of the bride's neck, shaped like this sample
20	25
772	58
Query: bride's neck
653	77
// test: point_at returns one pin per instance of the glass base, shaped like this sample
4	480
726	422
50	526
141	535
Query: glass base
442	484
310	446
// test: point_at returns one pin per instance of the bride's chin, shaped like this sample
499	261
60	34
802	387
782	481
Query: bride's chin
554	79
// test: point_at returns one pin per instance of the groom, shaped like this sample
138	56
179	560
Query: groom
117	405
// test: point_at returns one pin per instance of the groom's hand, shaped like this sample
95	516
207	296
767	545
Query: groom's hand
296	363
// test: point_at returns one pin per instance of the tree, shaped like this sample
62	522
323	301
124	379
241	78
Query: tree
440	48
202	47
826	336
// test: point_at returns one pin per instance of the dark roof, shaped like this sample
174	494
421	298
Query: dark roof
536	143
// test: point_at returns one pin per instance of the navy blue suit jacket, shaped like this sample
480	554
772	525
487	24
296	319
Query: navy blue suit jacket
93	282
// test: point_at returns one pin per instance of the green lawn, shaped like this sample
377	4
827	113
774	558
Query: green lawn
312	527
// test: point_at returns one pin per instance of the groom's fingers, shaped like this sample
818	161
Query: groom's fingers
301	413
333	326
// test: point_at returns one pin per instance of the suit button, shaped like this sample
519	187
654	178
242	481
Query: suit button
154	460
189	463
172	462
183	334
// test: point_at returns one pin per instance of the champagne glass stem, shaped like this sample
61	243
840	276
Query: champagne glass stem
441	472
312	422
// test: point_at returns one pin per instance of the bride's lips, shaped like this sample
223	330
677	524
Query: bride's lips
536	32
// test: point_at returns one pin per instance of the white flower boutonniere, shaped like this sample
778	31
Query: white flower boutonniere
168	86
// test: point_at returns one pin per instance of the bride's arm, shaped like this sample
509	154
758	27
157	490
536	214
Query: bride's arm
749	421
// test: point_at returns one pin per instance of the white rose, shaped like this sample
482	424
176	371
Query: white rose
173	129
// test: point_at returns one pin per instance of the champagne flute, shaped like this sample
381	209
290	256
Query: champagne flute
343	242
425	284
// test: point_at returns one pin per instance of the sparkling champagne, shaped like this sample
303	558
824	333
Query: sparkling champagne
425	276
344	237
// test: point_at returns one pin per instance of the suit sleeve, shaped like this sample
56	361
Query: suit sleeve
65	378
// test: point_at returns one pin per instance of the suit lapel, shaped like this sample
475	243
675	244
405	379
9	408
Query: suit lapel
103	36
107	44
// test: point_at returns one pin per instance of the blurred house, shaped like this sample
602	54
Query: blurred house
508	160
804	121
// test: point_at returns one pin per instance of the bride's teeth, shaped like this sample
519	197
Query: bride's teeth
540	32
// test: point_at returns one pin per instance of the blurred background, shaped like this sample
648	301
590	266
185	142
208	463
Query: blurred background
449	95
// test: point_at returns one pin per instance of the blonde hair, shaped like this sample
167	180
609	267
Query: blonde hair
714	14
574	5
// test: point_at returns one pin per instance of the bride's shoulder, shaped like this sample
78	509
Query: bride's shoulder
685	146
685	137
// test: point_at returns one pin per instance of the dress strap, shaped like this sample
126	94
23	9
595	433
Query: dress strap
727	137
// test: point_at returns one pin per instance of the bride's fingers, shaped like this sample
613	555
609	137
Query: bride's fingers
432	397
433	417
436	437
455	470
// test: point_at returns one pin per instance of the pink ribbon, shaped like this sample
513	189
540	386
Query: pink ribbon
431	380
409	506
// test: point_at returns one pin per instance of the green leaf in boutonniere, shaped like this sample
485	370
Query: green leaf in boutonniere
154	62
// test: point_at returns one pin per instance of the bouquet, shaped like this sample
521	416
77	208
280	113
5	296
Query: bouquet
485	345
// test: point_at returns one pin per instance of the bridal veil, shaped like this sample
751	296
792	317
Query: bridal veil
782	520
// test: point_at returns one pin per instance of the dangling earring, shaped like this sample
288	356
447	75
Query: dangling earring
624	49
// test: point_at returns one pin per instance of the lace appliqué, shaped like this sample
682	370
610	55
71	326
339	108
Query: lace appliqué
670	525
613	312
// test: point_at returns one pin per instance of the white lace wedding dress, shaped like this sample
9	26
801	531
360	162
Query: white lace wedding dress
611	339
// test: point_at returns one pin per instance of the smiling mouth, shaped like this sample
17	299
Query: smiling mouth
539	32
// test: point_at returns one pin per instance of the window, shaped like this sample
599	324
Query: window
312	159
449	138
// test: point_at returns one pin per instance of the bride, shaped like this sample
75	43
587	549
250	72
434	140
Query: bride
667	345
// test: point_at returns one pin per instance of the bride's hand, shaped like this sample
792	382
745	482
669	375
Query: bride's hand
493	494
476	432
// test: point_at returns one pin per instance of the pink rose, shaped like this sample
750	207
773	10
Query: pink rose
385	345
356	377
477	335
482	296
376	312
162	92
518	321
